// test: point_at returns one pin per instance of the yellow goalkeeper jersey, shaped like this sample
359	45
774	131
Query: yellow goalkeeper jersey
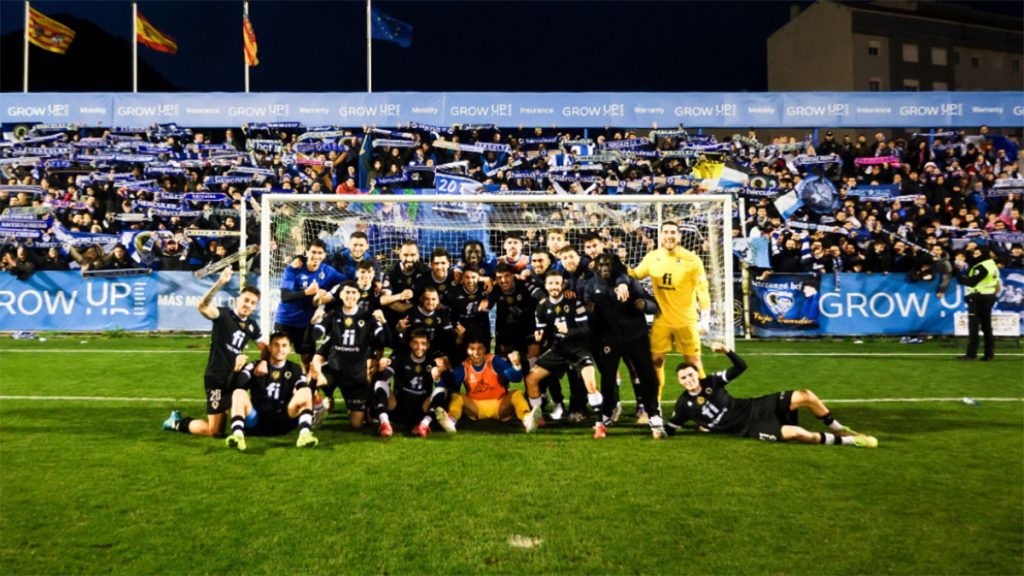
679	281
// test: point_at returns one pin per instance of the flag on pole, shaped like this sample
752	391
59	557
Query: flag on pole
149	36
249	37
387	28
47	33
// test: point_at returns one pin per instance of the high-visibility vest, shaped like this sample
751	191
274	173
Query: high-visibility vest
990	283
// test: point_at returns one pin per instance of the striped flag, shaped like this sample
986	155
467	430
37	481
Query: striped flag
47	33
149	36
249	37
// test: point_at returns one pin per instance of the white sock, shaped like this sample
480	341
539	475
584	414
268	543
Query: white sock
535	402
829	438
835	425
657	422
847	440
425	421
595	399
383	417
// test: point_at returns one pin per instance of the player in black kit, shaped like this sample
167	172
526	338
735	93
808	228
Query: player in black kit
275	403
772	417
414	374
625	335
564	322
352	339
232	331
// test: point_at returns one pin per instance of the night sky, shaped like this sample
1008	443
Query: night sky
456	46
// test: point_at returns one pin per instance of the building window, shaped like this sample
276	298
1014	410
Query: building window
873	47
975	61
911	85
940	86
1016	65
939	56
874	84
910	52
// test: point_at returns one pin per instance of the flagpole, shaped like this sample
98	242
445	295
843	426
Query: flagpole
24	66
135	47
245	16
369	51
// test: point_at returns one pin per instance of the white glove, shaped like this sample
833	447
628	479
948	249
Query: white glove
704	325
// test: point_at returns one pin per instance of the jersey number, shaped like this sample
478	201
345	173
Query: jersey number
274	390
348	337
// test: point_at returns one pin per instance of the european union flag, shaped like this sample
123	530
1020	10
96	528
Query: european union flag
387	28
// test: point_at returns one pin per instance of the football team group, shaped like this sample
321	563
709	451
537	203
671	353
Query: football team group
565	313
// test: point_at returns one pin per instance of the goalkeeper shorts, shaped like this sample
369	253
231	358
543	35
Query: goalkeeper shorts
686	338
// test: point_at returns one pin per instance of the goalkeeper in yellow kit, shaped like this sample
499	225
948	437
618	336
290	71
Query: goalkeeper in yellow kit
680	284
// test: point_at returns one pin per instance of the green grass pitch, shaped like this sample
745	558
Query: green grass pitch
91	486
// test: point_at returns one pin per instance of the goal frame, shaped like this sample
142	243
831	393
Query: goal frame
724	243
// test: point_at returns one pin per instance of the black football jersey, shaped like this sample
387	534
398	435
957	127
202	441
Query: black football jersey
515	310
713	407
352	339
273	392
568	310
228	339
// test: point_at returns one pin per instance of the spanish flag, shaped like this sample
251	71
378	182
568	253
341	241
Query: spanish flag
149	36
249	36
48	34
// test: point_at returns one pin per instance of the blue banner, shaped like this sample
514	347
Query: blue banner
564	109
66	301
865	304
785	302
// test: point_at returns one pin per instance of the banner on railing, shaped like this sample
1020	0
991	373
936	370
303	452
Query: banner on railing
65	301
796	305
562	109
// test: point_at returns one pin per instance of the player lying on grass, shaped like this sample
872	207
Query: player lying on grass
772	417
273	404
487	396
232	330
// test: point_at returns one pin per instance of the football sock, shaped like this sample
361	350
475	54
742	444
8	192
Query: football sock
657	422
427	420
847	440
596	400
661	379
380	397
455	406
383	417
438	398
238	425
519	403
535	402
305	420
826	438
183	425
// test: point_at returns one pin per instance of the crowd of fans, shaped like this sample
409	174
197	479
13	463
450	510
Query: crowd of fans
168	198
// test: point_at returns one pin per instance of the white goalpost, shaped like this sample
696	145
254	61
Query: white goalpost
627	224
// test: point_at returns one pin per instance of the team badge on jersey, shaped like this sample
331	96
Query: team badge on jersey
287	375
558	309
418	369
700	400
442	287
362	323
509	300
348	322
708	390
275	374
429	321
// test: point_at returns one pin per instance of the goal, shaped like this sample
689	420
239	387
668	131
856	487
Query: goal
627	224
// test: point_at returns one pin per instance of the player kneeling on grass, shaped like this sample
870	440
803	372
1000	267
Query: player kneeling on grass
415	373
487	396
772	417
232	330
275	403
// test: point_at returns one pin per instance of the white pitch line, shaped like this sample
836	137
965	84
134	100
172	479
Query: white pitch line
100	399
950	354
81	351
625	402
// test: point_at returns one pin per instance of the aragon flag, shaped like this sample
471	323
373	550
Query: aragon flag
47	33
149	36
249	37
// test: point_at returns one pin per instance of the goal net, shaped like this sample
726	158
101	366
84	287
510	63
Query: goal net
627	225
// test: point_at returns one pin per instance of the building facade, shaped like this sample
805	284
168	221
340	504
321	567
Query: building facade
893	45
